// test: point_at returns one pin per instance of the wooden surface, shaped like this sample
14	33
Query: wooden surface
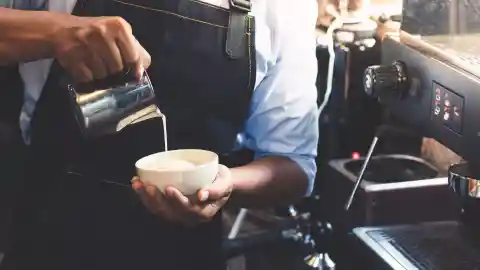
439	155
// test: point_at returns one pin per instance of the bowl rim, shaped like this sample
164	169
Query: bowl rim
199	166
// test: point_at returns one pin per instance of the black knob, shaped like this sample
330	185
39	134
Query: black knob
391	80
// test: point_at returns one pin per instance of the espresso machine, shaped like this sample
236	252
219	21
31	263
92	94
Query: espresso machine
429	79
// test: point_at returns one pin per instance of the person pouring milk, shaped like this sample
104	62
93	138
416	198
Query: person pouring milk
233	77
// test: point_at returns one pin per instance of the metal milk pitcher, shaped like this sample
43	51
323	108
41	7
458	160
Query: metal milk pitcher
108	109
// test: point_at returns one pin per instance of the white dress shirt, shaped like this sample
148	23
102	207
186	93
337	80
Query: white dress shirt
283	117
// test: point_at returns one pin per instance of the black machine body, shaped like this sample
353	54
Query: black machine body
429	79
429	75
432	87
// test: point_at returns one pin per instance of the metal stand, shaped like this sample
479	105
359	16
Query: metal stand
320	261
314	235
321	235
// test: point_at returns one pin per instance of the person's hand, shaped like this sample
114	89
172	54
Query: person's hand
173	206
93	48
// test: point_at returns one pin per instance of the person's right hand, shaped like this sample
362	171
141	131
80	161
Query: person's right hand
93	48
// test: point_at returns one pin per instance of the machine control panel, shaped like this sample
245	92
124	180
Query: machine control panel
447	108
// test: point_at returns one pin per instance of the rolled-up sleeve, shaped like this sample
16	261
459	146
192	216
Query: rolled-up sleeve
283	118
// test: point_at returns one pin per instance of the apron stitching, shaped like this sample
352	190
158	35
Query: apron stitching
73	173
82	4
249	34
210	5
169	13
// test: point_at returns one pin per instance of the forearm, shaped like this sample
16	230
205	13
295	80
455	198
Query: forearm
268	181
27	35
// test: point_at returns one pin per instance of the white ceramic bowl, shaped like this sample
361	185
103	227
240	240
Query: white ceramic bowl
188	170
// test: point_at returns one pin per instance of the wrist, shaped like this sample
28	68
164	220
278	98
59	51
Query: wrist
238	184
243	186
61	32
26	35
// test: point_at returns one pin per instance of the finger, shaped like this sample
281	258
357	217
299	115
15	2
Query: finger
111	55
137	184
104	46
139	72
220	188
146	194
145	57
141	191
153	195
161	206
98	68
177	198
187	214
128	49
208	212
153	202
331	10
144	61
81	73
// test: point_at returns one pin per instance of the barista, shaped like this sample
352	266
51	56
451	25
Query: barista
230	76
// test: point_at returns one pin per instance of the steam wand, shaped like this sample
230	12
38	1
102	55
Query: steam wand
378	133
362	171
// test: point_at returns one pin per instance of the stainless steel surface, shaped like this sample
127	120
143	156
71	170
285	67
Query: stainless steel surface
386	251
441	17
464	181
448	28
439	245
109	110
320	261
370	186
456	50
362	172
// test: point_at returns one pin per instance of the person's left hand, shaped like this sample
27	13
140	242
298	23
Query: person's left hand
175	207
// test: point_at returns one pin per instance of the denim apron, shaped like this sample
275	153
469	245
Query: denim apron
78	210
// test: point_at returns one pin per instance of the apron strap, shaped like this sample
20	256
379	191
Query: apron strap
237	28
241	5
79	7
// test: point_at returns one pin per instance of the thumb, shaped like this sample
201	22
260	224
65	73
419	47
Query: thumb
144	60
220	188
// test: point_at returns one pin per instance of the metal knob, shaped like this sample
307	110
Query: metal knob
386	80
464	180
